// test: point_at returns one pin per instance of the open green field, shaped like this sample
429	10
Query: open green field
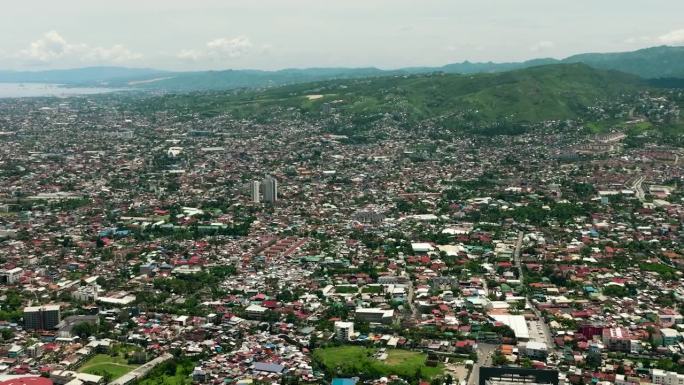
657	268
372	289
174	372
348	361
107	366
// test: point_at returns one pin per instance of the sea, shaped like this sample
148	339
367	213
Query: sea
31	90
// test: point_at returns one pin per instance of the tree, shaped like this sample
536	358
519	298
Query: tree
362	327
7	334
615	291
84	329
498	359
593	359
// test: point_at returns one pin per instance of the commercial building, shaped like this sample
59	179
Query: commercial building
516	322
617	339
670	336
661	377
11	276
374	315
41	317
509	376
535	350
343	330
270	186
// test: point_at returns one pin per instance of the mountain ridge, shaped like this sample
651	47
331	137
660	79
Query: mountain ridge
651	63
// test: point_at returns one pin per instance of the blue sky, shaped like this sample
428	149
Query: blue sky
272	34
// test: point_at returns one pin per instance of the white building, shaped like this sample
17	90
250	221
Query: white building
85	293
535	349
254	188
374	315
661	377
344	330
11	276
255	311
421	247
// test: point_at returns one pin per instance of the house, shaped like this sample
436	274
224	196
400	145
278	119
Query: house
255	312
268	367
535	350
670	336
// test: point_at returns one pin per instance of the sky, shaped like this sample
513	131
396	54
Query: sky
275	34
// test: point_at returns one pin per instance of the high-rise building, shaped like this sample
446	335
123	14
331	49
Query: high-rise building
41	317
254	188
270	186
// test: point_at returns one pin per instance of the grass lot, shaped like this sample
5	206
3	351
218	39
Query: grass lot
372	289
346	289
359	361
657	267
107	366
174	372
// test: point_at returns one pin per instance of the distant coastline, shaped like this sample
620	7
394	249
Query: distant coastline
34	90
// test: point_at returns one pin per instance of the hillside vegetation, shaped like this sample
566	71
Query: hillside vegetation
553	92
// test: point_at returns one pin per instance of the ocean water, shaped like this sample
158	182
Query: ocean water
30	90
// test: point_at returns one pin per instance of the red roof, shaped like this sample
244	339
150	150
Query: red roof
27	381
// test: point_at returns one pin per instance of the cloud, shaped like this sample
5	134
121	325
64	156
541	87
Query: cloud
675	37
542	46
52	48
235	47
640	40
219	49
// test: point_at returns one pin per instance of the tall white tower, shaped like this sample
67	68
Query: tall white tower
255	191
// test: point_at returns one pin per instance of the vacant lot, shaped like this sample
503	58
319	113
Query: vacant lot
358	360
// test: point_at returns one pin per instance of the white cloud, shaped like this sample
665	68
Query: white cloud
219	49
640	40
115	54
542	46
190	54
52	48
675	37
235	47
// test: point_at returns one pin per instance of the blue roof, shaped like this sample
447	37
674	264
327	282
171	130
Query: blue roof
343	381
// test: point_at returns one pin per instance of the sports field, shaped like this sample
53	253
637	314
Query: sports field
355	360
107	366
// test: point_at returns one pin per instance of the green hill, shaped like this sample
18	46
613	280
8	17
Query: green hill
552	92
651	63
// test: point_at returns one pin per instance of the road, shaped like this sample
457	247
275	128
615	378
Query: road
484	358
412	306
637	186
516	254
539	330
